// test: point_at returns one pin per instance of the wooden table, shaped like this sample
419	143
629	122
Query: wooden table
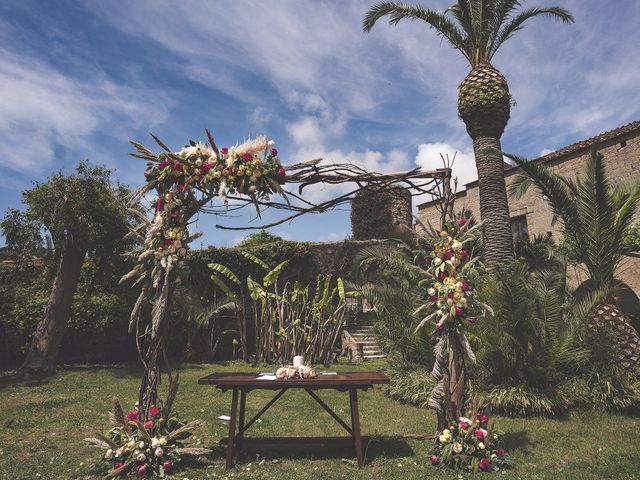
243	383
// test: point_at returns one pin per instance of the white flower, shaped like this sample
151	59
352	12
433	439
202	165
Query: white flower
481	446
108	454
155	442
141	457
141	445
457	447
253	188
443	439
118	452
198	162
431	292
456	246
437	261
159	452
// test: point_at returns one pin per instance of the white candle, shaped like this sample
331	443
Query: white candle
298	361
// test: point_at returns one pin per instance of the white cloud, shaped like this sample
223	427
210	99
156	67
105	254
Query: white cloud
42	109
464	165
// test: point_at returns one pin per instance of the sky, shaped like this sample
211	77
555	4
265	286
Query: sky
78	79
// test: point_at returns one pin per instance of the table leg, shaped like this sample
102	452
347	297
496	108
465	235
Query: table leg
355	425
232	429
243	404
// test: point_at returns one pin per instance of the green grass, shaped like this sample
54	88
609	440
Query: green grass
42	425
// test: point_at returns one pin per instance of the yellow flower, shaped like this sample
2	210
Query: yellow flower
444	234
163	441
444	439
481	446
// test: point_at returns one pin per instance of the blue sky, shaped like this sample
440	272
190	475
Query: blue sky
80	78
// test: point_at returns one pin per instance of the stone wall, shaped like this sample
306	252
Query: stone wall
380	214
622	162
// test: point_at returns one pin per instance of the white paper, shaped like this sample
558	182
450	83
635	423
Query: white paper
225	418
328	373
267	377
266	373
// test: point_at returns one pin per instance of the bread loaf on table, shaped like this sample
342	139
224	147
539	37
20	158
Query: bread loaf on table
290	372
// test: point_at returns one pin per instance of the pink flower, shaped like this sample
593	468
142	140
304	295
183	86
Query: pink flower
448	255
281	172
148	424
459	311
224	150
205	168
154	411
439	326
247	157
473	319
164	163
274	152
464	254
434	459
181	187
178	166
118	465
484	464
442	275
168	241
500	452
159	205
483	418
133	416
465	287
143	470
167	465
480	433
464	425
461	221
147	173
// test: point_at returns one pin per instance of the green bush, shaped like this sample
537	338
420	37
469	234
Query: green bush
410	383
519	401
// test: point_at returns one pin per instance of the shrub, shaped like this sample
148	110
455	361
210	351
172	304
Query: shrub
519	401
410	383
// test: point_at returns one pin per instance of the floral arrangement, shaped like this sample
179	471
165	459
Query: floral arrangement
148	449
470	444
185	181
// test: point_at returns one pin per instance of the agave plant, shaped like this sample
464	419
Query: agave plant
596	221
477	29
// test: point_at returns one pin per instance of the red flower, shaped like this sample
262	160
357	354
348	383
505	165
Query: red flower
181	187
118	465
480	433
464	254
484	464
442	275
154	411
459	311
148	424
500	452
164	163
434	459
461	221
224	150
205	168
274	152
247	157
168	242
159	205
448	255
167	465
178	166
464	425
133	416
143	470
281	172
465	287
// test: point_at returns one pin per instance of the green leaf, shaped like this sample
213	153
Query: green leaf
254	259
341	292
216	267
272	277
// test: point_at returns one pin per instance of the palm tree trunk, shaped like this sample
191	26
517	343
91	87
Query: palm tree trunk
494	207
42	358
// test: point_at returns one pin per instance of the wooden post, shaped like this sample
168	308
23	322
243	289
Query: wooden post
243	404
355	425
232	429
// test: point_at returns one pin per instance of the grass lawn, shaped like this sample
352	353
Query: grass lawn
42	425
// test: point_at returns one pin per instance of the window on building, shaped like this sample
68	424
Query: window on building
519	228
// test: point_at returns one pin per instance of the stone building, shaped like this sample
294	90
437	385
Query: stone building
531	215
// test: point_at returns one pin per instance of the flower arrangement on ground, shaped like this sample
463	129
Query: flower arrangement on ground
471	444
148	449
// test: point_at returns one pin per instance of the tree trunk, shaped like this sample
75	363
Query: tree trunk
152	343
494	207
42	358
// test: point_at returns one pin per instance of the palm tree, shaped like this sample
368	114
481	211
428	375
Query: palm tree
596	222
477	29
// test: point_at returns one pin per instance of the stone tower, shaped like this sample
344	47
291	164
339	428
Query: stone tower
379	213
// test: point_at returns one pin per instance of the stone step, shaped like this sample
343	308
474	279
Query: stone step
369	357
